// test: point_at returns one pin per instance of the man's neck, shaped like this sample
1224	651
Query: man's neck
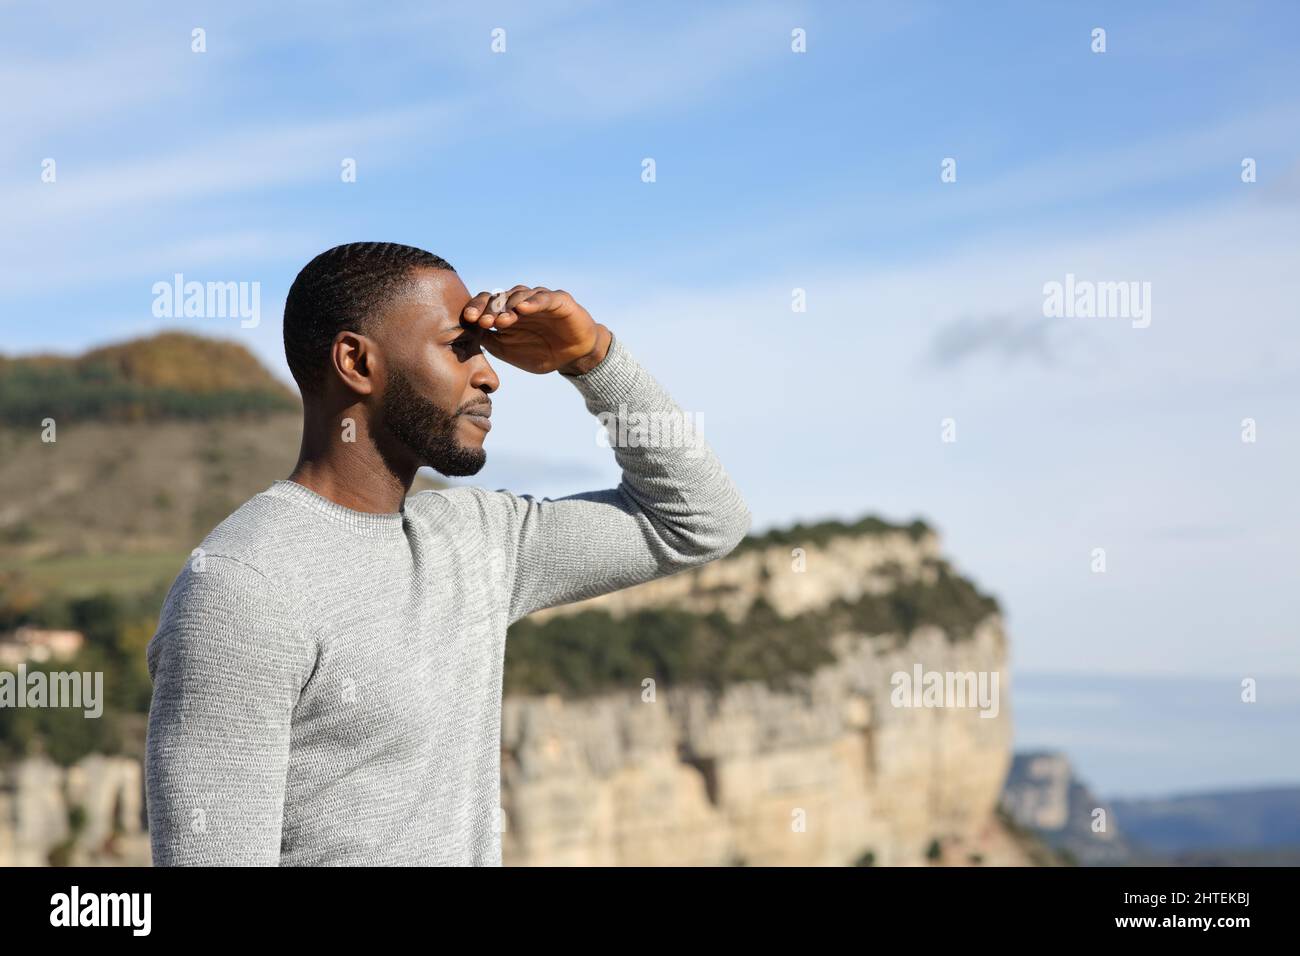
355	475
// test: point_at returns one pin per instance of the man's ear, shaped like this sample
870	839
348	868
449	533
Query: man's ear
354	358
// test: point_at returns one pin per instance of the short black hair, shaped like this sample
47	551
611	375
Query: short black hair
343	289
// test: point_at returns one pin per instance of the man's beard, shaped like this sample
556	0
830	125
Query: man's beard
427	431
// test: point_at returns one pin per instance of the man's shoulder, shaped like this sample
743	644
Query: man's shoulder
235	577
261	533
247	548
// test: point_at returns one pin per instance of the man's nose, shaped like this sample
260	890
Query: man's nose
483	375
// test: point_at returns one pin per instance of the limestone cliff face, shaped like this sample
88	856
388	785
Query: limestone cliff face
38	823
823	775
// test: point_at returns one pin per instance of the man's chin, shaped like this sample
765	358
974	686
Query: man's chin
468	461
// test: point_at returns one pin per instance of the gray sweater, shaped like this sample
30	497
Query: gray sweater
327	682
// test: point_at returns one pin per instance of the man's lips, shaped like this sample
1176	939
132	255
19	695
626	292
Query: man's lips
480	415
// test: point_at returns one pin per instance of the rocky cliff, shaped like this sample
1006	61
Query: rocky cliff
89	814
1043	793
831	772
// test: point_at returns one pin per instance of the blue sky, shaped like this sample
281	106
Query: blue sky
1156	736
775	171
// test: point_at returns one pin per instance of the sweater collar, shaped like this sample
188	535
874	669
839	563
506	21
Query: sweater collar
376	525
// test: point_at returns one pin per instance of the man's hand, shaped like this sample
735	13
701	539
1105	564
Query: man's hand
538	330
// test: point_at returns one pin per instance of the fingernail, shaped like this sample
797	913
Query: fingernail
471	313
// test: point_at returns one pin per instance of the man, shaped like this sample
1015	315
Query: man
327	668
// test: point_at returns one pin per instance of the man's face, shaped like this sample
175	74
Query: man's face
437	376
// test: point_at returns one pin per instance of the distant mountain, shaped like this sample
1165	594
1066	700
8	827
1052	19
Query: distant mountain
1249	820
1226	828
1043	794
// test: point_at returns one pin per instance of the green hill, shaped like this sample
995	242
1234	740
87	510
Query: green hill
173	375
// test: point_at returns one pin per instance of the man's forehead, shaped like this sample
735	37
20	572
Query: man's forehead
438	294
438	285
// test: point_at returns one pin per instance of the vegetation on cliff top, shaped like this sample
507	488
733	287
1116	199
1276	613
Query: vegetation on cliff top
803	535
593	651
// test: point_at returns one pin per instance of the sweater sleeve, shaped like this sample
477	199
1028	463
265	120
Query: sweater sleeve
674	508
227	664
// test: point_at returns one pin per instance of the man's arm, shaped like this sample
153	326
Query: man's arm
227	664
674	508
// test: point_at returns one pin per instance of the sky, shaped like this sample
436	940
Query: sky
1142	737
775	171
